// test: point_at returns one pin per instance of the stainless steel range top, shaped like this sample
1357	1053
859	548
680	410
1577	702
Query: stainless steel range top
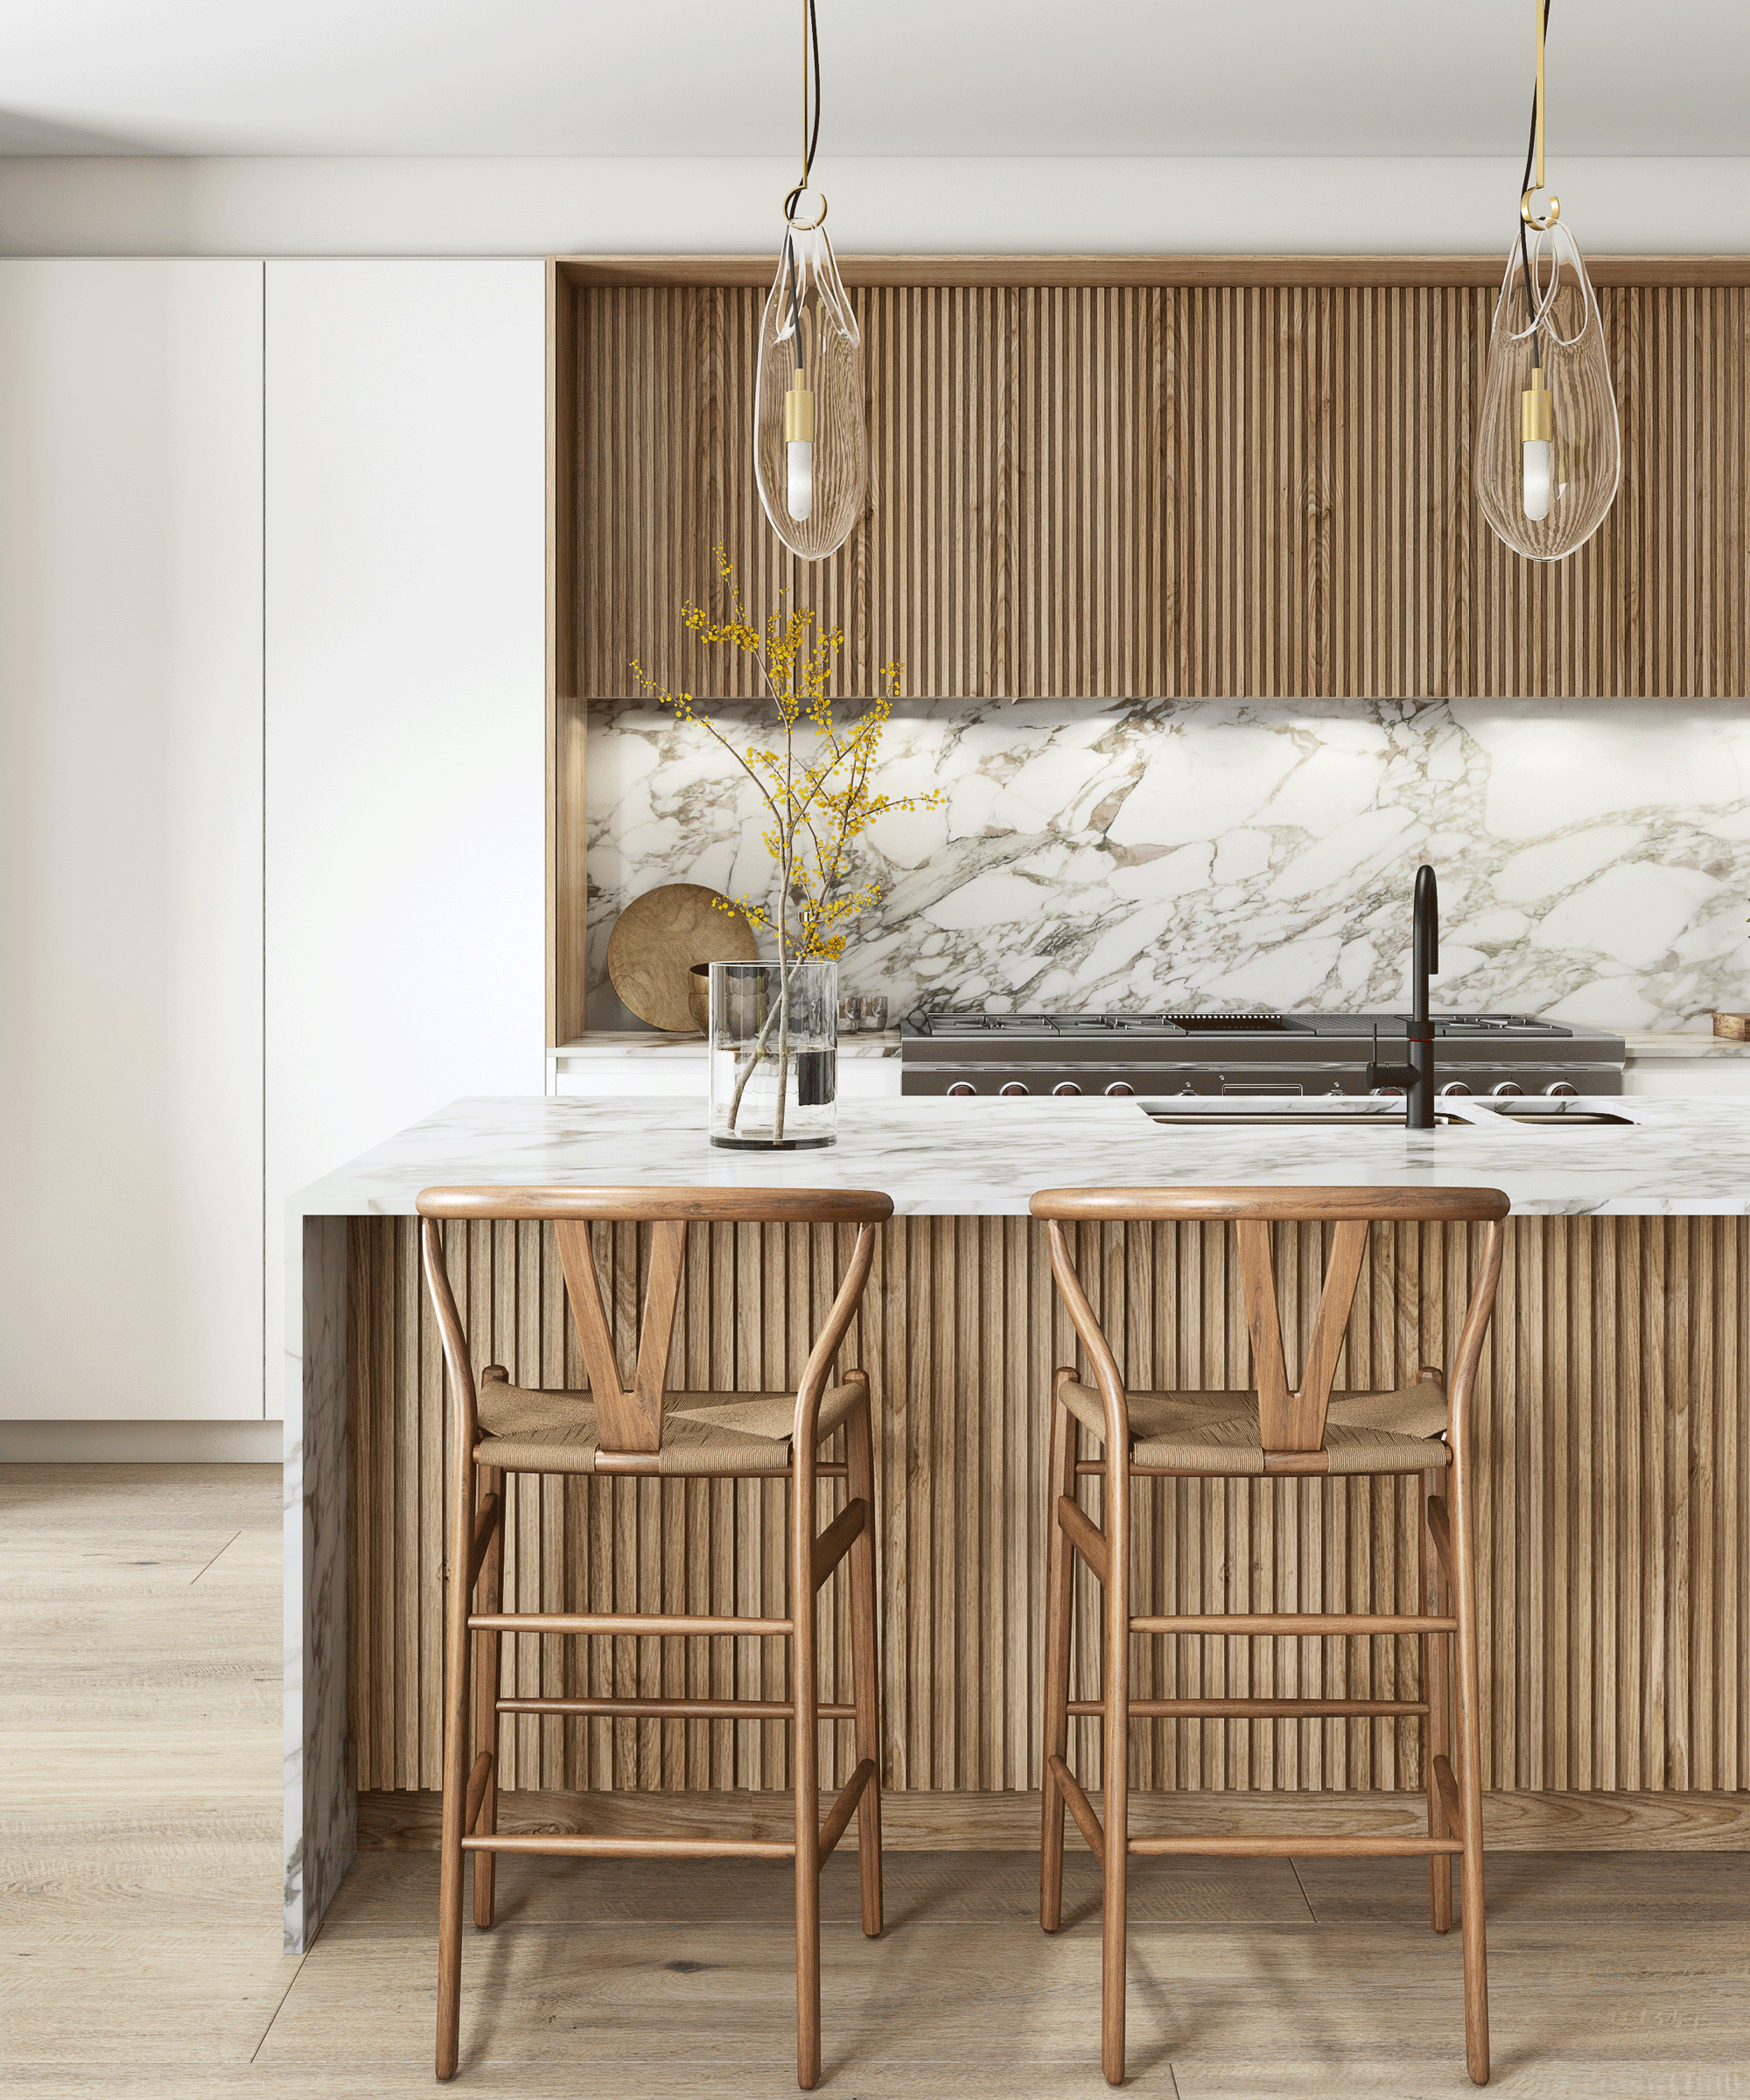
1244	1053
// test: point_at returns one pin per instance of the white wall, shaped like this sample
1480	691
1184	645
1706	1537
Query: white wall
1159	205
405	704
130	815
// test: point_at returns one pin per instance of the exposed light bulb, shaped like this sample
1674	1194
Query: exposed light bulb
1545	490
1537	420
798	447
1546	477
810	440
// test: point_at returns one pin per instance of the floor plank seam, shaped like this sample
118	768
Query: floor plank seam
223	1549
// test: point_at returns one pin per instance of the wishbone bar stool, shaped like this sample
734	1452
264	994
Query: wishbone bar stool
1274	1429
647	1430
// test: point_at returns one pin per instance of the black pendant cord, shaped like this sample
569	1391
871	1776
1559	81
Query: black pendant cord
811	140
1524	188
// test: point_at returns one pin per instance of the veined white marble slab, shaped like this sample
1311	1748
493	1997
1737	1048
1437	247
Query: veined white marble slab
936	1157
985	1157
657	1042
1647	1045
1594	854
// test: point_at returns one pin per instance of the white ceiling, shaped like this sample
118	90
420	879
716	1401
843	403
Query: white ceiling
902	77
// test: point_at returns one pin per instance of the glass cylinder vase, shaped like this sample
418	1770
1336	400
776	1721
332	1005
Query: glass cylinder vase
774	1055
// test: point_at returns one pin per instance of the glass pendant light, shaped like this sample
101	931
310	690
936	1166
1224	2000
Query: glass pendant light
810	448
1549	452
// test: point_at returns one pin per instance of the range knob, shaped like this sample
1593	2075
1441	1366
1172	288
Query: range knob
1562	1090
1069	1086
963	1086
1507	1089
1120	1086
1016	1085
1455	1086
1388	1093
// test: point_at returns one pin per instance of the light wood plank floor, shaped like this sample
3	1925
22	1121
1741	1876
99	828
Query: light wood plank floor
139	1928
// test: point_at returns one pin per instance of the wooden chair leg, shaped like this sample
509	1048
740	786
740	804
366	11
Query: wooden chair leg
489	1593
1470	1786
457	1603
1059	1591
1115	1521
860	1452
1436	1728
805	1767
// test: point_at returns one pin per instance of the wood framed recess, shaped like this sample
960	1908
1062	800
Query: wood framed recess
1226	476
1613	1498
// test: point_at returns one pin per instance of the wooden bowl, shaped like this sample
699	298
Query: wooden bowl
659	937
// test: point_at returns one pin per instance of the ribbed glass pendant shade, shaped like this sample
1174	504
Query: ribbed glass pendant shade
810	448
1549	450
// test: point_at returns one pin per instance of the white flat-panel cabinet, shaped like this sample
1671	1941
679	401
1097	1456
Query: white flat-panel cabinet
130	839
405	703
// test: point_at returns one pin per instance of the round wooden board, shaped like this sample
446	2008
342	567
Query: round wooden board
657	939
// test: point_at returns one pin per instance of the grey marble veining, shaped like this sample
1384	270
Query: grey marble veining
986	1156
967	1158
1594	856
321	1832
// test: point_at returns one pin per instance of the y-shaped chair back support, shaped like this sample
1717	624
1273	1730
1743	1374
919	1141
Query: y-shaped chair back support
1293	1425
629	1427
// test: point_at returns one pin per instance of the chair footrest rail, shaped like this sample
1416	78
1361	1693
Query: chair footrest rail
633	1848
1256	1710
624	1623
842	1809
1297	1848
1079	1805
1289	1624
676	1710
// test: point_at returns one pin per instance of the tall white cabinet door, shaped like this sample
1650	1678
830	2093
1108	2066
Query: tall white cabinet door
406	701
130	839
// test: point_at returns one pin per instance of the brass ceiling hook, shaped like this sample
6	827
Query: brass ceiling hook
1554	211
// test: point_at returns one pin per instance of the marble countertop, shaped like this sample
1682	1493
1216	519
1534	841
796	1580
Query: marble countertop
652	1042
985	1157
1642	1044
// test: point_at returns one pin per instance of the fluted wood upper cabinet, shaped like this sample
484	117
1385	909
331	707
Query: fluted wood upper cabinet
1241	477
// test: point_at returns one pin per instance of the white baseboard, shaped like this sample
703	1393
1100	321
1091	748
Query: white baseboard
141	1443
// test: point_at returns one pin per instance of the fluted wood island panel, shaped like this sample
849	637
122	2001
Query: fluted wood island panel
1614	1504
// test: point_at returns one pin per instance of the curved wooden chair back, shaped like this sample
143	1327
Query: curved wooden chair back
629	1423
1290	1418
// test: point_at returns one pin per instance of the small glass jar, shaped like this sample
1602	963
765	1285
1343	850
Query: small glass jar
774	1050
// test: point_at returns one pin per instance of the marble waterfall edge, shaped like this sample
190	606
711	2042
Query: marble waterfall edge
1594	856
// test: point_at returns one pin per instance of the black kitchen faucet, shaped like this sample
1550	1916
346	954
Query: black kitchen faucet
1416	1078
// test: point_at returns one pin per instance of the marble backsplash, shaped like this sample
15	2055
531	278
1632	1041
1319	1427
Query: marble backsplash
1593	856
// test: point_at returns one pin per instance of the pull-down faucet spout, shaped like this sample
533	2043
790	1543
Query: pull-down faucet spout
1424	962
1416	1077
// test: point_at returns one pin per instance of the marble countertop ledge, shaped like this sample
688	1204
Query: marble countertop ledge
1642	1043
985	1157
657	1042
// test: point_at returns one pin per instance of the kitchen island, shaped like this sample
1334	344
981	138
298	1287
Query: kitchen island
1614	1505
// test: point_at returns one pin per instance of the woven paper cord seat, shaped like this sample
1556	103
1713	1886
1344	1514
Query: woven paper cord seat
1218	1433
702	1433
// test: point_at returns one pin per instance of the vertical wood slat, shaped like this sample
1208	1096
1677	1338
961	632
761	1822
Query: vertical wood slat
1129	491
1613	1504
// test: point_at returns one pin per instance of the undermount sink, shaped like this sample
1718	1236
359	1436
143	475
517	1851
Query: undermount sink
1307	1115
1205	1111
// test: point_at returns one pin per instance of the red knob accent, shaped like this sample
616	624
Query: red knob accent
1015	1086
963	1086
1066	1086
